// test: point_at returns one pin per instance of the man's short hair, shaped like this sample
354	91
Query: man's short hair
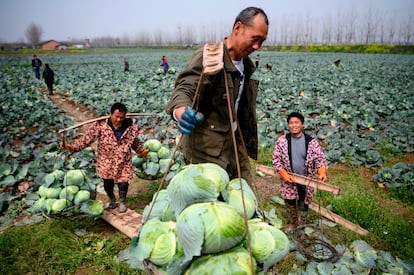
297	115
247	15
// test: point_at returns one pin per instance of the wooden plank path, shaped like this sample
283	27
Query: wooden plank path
127	222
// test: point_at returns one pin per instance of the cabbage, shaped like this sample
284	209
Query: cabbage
364	254
81	196
196	183
68	192
152	144
60	204
161	208
39	205
233	261
156	242
137	161
163	165
209	227
42	191
74	177
52	193
233	196
152	168
153	157
49	204
94	208
163	153
53	177
269	245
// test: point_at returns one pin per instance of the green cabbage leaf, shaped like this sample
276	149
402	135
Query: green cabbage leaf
229	262
196	183
209	227
161	208
233	196
269	244
156	242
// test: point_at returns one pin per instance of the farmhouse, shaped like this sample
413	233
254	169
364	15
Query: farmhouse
53	45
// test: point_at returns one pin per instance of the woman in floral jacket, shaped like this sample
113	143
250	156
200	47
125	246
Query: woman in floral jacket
116	137
299	153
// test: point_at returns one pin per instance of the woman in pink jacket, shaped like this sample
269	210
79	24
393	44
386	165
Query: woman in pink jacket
116	136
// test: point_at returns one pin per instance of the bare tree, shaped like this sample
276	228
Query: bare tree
327	30
339	31
370	29
351	21
391	29
407	29
34	34
284	30
189	35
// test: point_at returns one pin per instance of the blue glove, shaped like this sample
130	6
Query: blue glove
189	120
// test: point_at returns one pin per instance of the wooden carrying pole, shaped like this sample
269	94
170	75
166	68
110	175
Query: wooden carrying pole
321	186
337	219
102	118
302	180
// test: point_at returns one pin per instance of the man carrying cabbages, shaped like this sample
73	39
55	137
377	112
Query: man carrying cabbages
116	136
301	154
211	139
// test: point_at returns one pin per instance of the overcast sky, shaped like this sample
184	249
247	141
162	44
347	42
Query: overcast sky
67	19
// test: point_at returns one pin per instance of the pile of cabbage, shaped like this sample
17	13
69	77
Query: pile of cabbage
197	225
156	165
67	193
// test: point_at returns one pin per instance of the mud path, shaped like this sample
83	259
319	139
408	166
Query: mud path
78	111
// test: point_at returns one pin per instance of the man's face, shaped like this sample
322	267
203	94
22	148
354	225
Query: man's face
295	126
250	38
117	117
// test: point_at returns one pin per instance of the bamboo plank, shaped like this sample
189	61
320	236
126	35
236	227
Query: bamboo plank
337	219
302	180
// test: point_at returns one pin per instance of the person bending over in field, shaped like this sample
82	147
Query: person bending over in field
116	136
164	64
301	154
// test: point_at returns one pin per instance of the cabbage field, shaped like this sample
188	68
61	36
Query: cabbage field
362	111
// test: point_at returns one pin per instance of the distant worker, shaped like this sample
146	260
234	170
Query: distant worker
36	64
269	66
164	64
257	61
126	63
116	136
49	77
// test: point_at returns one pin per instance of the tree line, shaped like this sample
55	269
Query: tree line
350	27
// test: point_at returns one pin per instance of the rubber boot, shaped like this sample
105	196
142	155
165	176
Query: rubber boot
302	217
109	189
123	190
292	218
